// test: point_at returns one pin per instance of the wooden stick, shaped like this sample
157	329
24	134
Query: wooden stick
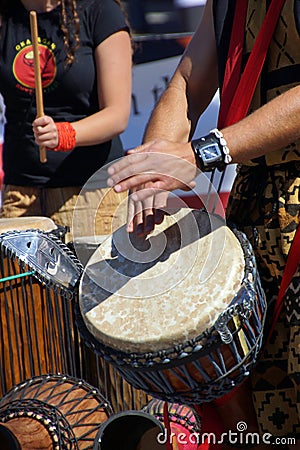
37	75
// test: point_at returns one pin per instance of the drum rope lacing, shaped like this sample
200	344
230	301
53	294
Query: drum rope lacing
186	416
58	426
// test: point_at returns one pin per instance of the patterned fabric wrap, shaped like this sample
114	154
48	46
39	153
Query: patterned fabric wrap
264	203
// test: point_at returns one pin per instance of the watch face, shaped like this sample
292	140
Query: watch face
210	153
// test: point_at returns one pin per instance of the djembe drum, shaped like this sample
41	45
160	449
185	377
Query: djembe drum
179	314
39	278
182	421
56	412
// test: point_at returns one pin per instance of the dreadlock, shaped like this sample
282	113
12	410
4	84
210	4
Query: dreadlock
70	27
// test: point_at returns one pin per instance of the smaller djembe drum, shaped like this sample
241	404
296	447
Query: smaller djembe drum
39	276
54	412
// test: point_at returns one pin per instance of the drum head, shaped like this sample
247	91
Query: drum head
27	223
142	295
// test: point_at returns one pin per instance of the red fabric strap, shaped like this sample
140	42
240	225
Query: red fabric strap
233	66
235	100
66	137
235	110
167	425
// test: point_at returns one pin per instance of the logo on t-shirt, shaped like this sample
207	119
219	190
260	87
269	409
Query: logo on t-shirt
23	65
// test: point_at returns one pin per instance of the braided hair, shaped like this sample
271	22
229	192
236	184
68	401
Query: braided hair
70	26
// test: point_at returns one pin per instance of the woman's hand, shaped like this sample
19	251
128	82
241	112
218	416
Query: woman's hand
45	132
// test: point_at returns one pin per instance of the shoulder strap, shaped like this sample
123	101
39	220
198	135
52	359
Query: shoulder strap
238	90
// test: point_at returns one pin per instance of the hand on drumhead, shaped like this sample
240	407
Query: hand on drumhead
45	132
160	165
142	216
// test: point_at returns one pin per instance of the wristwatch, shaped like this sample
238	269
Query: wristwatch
209	153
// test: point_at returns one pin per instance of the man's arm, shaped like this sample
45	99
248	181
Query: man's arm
271	127
191	88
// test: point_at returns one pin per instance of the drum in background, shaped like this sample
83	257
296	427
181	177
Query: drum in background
179	314
100	373
183	422
95	369
130	430
39	277
52	411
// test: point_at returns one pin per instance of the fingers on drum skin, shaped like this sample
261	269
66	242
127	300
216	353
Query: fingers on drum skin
160	200
143	215
134	215
141	218
147	225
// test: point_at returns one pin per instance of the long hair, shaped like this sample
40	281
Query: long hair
70	27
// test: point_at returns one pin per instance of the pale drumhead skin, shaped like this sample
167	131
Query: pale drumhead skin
147	295
27	223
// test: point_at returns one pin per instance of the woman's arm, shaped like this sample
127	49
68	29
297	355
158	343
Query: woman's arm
114	71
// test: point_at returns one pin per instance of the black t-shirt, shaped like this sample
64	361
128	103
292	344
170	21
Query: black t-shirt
69	94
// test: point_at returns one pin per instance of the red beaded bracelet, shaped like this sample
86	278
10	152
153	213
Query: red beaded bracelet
66	137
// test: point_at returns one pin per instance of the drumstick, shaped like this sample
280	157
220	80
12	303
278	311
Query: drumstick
37	75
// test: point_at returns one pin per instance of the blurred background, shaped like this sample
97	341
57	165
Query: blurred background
161	31
164	16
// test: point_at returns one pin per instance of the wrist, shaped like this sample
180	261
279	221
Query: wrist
66	137
211	151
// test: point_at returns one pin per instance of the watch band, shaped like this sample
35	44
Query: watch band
211	151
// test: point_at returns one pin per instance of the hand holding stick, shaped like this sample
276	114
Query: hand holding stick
37	75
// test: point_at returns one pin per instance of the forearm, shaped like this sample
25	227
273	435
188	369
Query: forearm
175	116
170	110
101	126
190	90
271	127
